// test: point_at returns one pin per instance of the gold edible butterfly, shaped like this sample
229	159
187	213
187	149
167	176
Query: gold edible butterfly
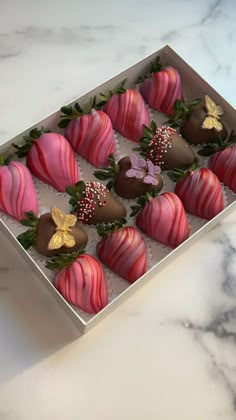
214	112
62	236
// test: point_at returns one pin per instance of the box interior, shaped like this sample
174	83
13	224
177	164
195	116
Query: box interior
194	87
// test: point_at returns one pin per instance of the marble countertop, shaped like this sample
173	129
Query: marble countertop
169	352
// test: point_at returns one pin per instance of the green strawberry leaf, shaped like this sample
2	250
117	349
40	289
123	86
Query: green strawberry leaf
177	174
4	161
23	149
107	172
63	260
27	239
142	201
105	229
156	66
182	112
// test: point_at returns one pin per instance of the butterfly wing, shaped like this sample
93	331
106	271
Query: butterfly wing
69	221
134	173
57	216
62	221
153	169
211	122
213	109
60	239
141	163
150	179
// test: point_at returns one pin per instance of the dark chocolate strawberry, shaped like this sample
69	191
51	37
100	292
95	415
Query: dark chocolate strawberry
52	233
199	121
165	147
200	191
161	87
80	280
223	159
127	111
90	134
131	177
50	158
123	250
162	218
93	203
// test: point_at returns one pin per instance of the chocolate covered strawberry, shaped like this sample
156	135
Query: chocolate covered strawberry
131	176
199	121
161	87
90	134
81	281
93	203
17	192
52	233
223	159
165	147
50	158
162	218
123	250
200	191
127	111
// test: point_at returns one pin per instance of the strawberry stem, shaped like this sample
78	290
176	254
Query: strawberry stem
149	133
76	194
27	239
182	112
107	172
156	66
218	145
177	174
73	112
63	260
105	229
142	201
105	98
5	160
23	149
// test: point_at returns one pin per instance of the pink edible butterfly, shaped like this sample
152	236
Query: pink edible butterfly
153	171
137	166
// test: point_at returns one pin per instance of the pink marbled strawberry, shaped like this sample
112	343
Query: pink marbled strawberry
200	192
223	160
81	281
161	88
123	251
223	164
17	192
127	112
162	218
50	158
91	135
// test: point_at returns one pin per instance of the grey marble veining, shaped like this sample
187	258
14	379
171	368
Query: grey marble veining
168	353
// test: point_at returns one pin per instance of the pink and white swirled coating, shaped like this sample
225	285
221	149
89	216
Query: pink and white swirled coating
17	192
124	252
128	113
223	164
51	159
162	89
83	284
92	137
201	193
163	218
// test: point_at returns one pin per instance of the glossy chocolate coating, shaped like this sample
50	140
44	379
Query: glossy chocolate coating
192	131
113	210
127	187
180	155
46	229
